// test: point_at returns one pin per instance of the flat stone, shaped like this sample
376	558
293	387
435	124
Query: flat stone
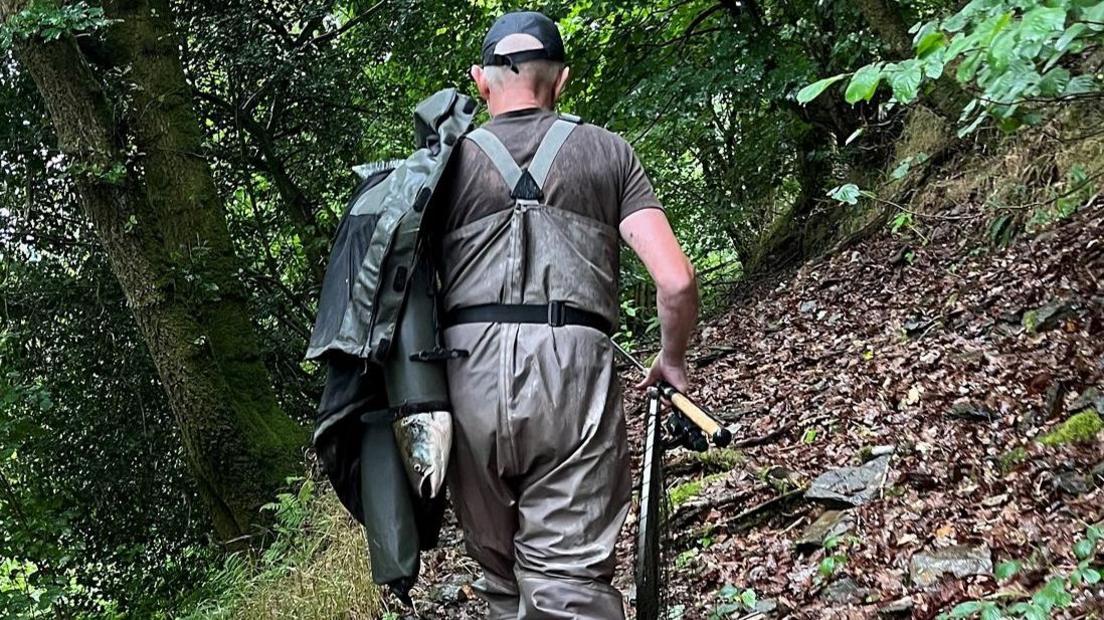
1031	420
830	524
845	591
1071	482
883	450
449	594
1097	473
1090	398
807	307
899	607
928	567
765	606
1047	317
852	486
970	411
1055	398
915	324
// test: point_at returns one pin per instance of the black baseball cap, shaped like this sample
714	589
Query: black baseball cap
531	23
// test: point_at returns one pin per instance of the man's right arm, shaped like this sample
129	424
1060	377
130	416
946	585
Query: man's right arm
649	234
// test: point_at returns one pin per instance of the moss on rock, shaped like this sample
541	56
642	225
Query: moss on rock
719	460
1011	460
1079	428
682	493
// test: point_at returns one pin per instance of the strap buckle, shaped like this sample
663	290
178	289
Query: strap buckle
557	313
438	354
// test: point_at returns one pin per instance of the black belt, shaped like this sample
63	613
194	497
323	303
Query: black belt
556	314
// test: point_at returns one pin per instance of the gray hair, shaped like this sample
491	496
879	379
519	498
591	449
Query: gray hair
537	74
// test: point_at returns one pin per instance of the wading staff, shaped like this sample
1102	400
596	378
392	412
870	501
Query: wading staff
700	416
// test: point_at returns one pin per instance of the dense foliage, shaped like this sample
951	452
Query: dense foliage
98	513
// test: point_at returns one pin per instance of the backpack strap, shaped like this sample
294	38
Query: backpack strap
550	147
493	148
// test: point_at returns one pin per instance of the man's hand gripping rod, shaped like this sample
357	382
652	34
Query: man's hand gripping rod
700	416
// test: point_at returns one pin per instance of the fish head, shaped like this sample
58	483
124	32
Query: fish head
425	442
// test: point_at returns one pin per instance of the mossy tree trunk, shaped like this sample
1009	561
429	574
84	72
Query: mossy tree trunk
135	165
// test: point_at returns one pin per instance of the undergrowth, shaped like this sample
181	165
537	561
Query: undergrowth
1053	595
316	567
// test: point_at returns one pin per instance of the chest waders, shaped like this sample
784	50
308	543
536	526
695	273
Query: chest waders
540	474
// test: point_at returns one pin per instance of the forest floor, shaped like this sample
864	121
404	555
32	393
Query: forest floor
945	366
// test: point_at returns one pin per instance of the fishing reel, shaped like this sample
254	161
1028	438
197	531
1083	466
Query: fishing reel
682	432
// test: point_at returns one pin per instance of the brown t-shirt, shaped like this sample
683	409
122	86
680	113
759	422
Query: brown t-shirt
595	174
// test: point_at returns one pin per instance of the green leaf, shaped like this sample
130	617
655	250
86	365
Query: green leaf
960	43
1075	30
863	84
1002	50
933	66
748	599
1094	533
1091	575
1083	549
1005	570
1080	85
967	69
967	609
1041	21
1054	82
990	612
990	28
848	193
969	129
905	81
901	170
728	592
931	42
812	91
828	566
1095	16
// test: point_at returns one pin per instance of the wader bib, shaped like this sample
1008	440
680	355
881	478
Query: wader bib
539	472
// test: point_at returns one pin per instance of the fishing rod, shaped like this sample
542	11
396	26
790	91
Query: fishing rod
701	417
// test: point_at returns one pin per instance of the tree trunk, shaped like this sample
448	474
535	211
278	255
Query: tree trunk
153	204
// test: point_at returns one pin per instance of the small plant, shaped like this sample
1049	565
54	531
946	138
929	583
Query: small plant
848	193
733	600
809	436
832	562
902	221
903	168
1056	594
686	558
49	22
1012	459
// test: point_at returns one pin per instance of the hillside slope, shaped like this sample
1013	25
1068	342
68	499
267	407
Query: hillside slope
954	359
948	357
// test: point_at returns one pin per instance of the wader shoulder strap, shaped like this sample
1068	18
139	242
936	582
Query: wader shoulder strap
493	148
549	148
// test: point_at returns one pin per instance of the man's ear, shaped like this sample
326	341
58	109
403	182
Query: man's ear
480	80
565	75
